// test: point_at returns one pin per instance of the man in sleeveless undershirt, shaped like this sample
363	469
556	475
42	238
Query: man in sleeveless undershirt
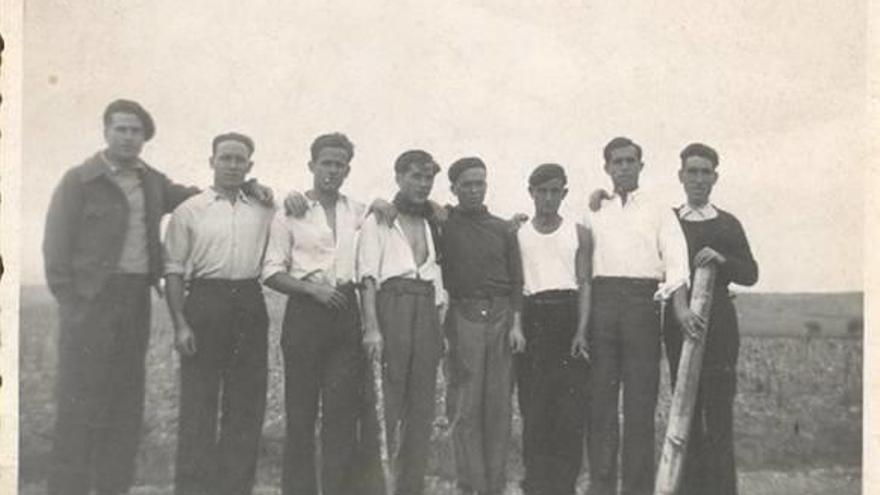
551	374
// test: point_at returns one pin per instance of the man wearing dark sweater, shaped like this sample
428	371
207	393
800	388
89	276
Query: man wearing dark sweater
713	236
483	275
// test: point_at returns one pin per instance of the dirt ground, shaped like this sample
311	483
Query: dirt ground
839	481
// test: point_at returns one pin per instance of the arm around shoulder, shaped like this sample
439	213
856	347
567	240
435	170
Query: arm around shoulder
174	194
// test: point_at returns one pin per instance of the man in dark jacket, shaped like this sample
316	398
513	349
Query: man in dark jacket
102	253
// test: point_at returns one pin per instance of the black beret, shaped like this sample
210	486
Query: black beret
701	150
129	106
546	172
463	164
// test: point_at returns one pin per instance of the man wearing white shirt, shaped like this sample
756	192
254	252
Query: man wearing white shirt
215	240
639	257
311	259
402	297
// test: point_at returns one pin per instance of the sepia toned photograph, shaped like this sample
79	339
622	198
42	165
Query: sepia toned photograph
440	248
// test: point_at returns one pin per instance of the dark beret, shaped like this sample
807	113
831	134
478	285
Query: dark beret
547	172
701	150
129	106
463	164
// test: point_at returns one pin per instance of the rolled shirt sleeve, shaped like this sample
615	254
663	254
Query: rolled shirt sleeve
369	251
278	248
178	242
674	255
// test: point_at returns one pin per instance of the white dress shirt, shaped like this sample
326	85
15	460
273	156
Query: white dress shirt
306	249
384	252
689	213
639	239
209	236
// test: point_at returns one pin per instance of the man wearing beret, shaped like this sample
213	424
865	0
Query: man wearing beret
102	253
552	372
214	244
639	259
403	297
483	275
713	236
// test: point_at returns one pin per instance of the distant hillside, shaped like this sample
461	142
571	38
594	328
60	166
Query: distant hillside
760	313
791	314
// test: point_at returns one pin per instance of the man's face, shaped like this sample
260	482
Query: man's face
125	136
470	188
415	184
697	175
624	168
548	196
231	163
330	168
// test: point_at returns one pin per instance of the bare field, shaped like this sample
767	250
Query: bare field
798	410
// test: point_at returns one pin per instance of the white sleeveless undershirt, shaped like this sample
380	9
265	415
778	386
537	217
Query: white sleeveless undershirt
549	259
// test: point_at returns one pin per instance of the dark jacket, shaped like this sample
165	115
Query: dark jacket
87	223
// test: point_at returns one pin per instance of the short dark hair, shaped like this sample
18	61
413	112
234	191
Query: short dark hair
233	136
701	150
547	172
332	140
463	164
620	142
415	157
133	107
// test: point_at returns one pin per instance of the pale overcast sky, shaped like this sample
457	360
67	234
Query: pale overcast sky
777	86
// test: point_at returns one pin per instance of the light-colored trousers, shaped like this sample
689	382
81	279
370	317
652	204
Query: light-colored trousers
480	390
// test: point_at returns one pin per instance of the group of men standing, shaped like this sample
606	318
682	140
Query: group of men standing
566	310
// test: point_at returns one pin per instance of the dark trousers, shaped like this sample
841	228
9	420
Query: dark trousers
481	388
552	391
228	370
102	346
413	345
625	336
323	361
709	466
